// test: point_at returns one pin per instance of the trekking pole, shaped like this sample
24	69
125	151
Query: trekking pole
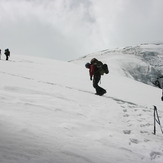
156	120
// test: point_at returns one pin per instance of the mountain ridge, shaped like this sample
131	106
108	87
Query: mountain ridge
145	64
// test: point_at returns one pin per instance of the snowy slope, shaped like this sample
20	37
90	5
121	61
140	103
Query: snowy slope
49	114
143	62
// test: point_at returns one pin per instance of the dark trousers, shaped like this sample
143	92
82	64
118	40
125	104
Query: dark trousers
7	57
99	90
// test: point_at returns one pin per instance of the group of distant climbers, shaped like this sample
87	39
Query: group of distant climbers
6	53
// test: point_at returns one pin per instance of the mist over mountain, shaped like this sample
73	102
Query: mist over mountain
144	62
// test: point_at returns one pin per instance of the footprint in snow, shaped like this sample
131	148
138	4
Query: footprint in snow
126	115
135	141
127	131
154	155
124	110
145	125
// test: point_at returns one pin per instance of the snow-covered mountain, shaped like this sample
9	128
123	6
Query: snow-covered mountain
143	63
49	113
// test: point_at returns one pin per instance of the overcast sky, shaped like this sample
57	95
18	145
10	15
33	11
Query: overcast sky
68	29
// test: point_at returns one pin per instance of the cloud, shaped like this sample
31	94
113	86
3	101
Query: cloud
67	29
129	22
57	29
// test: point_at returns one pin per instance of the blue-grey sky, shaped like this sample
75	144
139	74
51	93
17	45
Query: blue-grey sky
68	29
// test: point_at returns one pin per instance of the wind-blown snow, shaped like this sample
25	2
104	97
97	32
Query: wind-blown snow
49	114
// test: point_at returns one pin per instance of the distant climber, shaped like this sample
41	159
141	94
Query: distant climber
96	69
7	53
159	83
0	54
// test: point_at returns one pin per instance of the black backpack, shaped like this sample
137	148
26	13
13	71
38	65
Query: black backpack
102	68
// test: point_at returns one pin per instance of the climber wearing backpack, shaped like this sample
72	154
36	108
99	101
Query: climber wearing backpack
96	69
159	83
7	53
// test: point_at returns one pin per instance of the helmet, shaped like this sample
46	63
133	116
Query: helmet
87	65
